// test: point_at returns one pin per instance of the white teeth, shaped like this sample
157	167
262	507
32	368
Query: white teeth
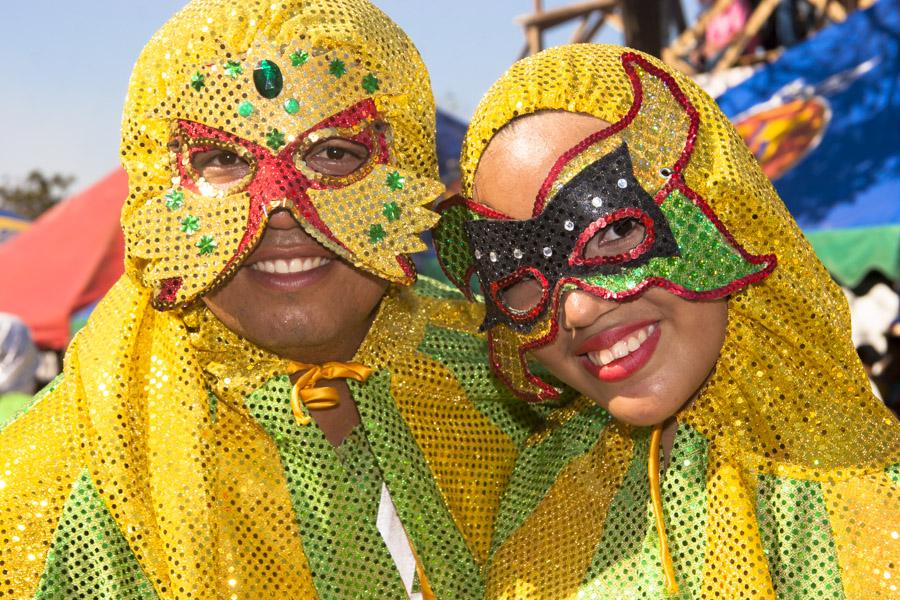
294	265
622	348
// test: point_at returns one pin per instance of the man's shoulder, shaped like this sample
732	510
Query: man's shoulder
441	305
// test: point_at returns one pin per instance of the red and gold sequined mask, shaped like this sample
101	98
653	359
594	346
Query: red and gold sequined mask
268	102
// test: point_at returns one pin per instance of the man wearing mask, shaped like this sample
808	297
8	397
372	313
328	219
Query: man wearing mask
260	407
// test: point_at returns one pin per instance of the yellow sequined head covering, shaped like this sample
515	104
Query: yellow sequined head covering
266	82
788	396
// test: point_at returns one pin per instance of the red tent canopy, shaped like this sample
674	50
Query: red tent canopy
67	259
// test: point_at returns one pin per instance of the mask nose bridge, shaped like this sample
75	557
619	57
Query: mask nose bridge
279	184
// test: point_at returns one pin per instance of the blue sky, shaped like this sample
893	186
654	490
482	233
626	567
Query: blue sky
68	65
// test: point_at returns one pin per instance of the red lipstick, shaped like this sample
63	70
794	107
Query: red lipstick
627	365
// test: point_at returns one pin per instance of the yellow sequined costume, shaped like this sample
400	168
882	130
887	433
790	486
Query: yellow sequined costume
166	462
783	480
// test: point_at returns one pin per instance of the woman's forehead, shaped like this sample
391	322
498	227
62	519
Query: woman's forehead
519	157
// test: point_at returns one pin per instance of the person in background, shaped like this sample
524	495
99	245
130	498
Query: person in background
889	377
869	357
19	361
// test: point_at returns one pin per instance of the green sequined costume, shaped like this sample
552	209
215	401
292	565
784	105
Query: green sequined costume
288	515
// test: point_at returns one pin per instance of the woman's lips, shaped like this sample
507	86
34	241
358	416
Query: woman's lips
616	353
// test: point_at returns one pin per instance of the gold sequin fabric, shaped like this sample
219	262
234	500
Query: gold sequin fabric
186	475
783	480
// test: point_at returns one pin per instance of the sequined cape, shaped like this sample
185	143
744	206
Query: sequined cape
216	491
784	479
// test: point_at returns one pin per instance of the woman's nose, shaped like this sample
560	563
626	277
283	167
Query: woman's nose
581	309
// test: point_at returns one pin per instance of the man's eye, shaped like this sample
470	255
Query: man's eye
336	157
219	167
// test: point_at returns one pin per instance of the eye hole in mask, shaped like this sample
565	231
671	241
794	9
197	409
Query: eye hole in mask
523	293
616	237
335	157
222	168
339	156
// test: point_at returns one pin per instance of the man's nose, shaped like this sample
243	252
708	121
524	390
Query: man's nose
581	309
282	219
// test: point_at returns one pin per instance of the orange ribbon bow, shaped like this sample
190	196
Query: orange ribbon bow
317	398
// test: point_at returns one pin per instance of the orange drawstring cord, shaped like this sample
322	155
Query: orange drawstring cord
317	398
653	472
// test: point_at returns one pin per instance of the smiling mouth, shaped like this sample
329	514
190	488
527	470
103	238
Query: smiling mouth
290	266
622	348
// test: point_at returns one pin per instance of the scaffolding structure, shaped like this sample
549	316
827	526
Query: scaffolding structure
658	27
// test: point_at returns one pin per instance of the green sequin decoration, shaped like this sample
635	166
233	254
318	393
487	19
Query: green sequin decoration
207	244
335	493
86	535
391	211
291	106
337	68
377	233
707	261
174	199
245	108
233	69
190	224
198	81
395	181
370	83
796	534
299	58
274	139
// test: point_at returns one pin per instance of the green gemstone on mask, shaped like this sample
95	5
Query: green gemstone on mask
395	181
376	233
391	211
299	58
267	79
370	83
245	108
337	68
174	199
198	81
233	68
274	139
207	244
291	107
190	224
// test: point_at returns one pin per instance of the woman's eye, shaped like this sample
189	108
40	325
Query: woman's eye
336	157
523	296
219	167
617	238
